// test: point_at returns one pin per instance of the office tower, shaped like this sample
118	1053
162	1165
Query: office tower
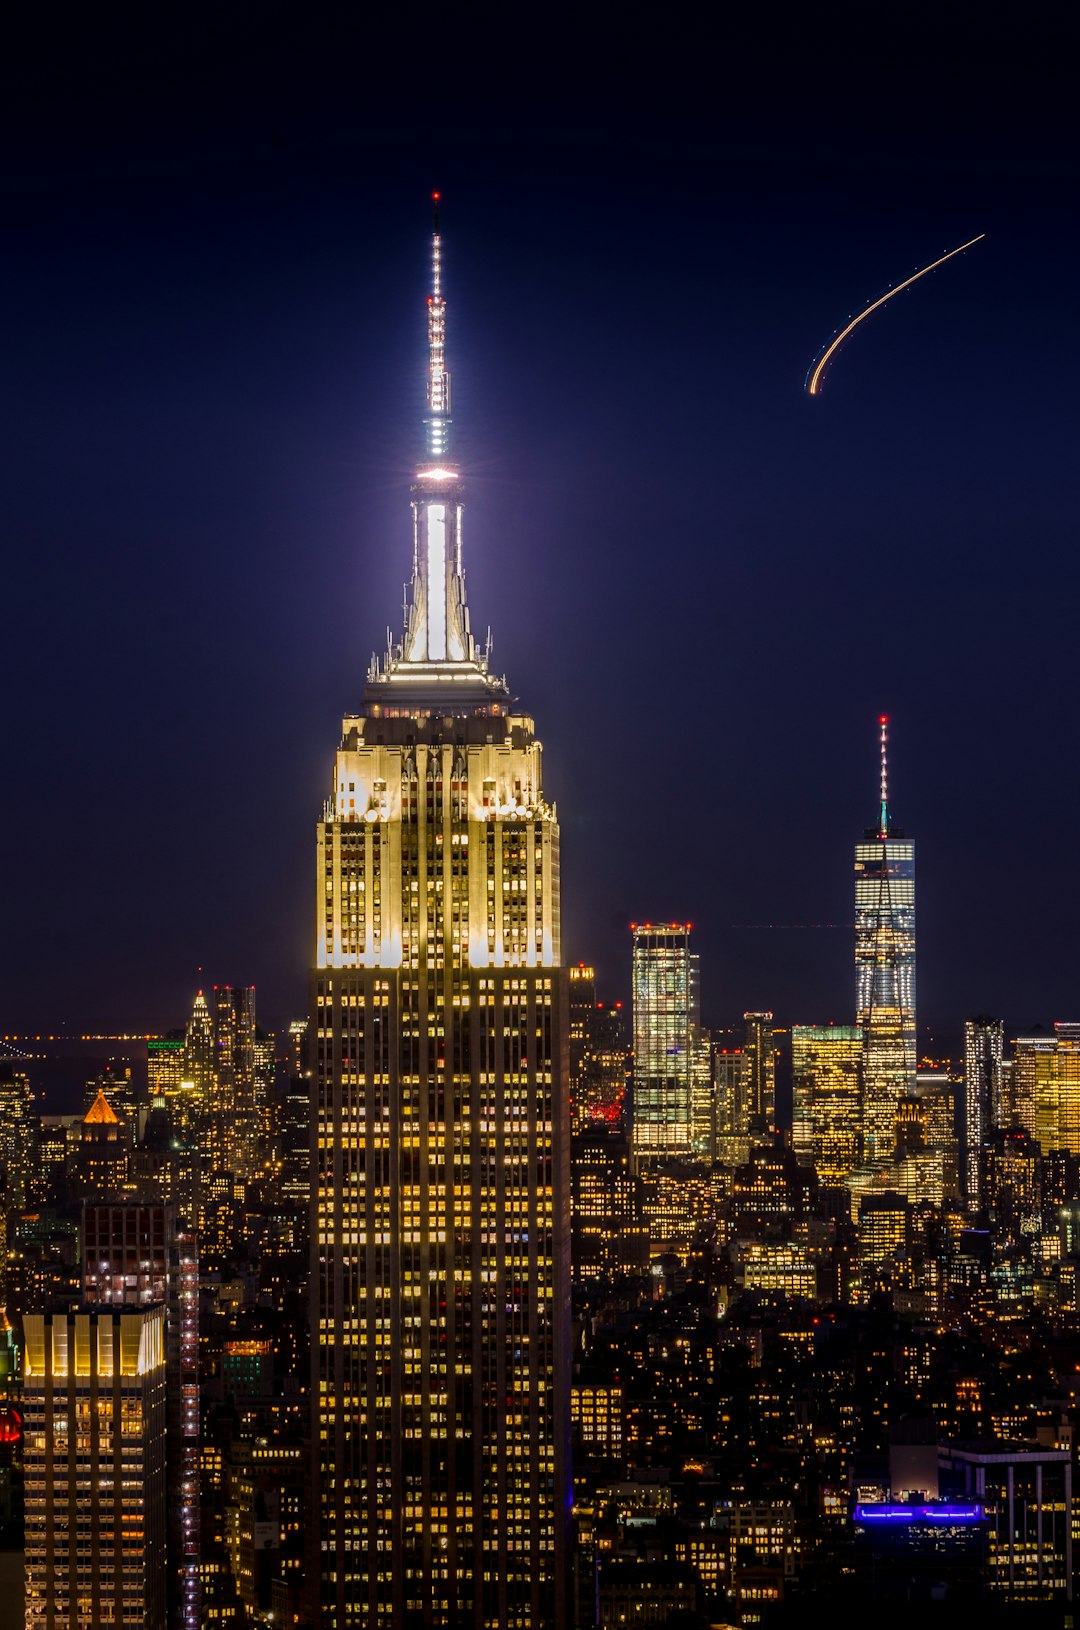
984	1050
265	1073
1012	1183
826	1100
1045	1085
884	971
937	1094
581	1000
1003	1107
730	1114
1032	1056
703	1124
139	1255
165	1066
1026	1493
910	1127
676	1205
440	1211
607	1236
232	1117
116	1080
99	1162
198	1076
598	1055
18	1140
1057	1110
265	1525
759	1066
666	1009
292	1120
884	1225
744	1088
770	1193
94	1400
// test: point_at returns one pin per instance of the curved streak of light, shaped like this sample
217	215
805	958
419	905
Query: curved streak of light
815	377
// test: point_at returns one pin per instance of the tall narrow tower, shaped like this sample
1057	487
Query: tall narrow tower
885	970
440	1204
666	1011
984	1053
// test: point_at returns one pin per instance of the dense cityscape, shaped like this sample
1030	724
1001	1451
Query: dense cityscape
475	1297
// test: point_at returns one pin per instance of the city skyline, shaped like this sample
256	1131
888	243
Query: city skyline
202	502
601	1241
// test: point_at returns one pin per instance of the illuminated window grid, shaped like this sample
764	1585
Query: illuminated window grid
94	1396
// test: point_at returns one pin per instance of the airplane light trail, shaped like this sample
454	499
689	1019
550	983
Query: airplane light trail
813	382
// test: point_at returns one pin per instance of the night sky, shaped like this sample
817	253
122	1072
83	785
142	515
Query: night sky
704	585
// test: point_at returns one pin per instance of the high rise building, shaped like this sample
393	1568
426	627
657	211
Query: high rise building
939	1094
770	1193
884	972
730	1115
1046	1086
1012	1182
984	1050
18	1139
233	1119
116	1080
440	1206
165	1064
884	1225
666	1011
94	1400
607	1236
598	1055
581	995
703	1120
292	1120
137	1255
826	1100
197	1081
98	1164
759	1064
264	1064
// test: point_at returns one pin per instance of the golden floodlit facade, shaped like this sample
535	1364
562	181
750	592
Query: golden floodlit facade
94	1395
440	1212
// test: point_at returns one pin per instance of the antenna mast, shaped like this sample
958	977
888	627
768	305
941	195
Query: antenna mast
438	416
883	817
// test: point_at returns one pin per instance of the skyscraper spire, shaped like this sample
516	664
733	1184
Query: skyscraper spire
438	396
883	815
437	662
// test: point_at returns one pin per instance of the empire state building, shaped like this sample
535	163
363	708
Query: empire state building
440	1225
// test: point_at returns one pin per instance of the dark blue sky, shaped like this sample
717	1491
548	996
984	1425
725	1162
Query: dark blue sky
703	584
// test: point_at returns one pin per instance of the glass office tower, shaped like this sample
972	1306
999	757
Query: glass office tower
885	972
666	1013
